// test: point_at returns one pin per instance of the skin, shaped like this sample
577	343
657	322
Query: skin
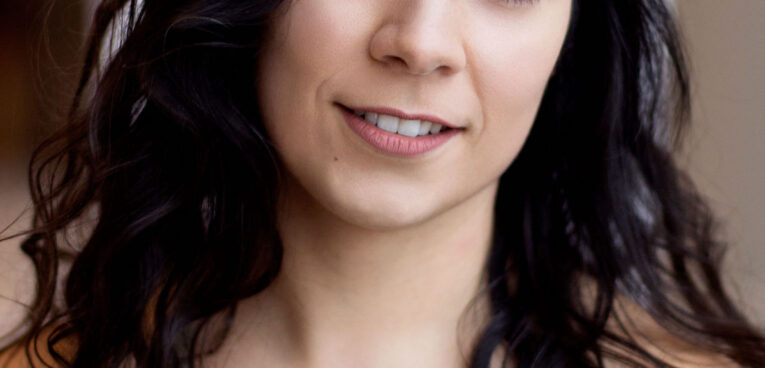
383	253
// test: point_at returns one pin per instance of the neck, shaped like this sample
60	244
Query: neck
362	295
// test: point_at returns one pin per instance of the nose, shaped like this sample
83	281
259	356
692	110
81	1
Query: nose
420	37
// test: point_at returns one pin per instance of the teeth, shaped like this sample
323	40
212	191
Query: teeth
371	117
409	128
388	123
424	128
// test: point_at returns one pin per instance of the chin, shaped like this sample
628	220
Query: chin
383	212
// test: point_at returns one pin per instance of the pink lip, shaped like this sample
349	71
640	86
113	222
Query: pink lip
402	115
393	143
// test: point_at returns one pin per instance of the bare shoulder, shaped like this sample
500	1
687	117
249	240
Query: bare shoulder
664	345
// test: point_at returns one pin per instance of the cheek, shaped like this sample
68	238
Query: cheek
303	56
513	78
302	51
512	94
511	74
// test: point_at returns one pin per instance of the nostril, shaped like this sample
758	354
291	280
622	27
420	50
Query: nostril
396	60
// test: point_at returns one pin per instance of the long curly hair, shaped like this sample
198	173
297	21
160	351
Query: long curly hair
165	153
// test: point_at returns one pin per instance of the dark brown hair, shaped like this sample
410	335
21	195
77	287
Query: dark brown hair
172	157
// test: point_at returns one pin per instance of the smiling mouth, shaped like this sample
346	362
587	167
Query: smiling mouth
396	136
401	126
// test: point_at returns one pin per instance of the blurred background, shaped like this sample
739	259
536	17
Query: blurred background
40	44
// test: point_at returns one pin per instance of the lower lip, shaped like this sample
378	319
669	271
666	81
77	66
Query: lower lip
394	143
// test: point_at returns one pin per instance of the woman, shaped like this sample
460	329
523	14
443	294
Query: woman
418	183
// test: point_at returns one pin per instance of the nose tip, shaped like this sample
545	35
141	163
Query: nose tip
419	42
416	65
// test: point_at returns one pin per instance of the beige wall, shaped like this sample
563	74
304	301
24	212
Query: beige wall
726	150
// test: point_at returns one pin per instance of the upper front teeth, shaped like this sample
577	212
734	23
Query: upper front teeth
409	128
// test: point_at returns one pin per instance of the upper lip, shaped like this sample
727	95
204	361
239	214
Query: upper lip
402	115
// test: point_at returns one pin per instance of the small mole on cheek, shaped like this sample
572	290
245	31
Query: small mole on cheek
335	158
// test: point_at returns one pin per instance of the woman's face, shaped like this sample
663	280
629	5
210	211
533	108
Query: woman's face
479	65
